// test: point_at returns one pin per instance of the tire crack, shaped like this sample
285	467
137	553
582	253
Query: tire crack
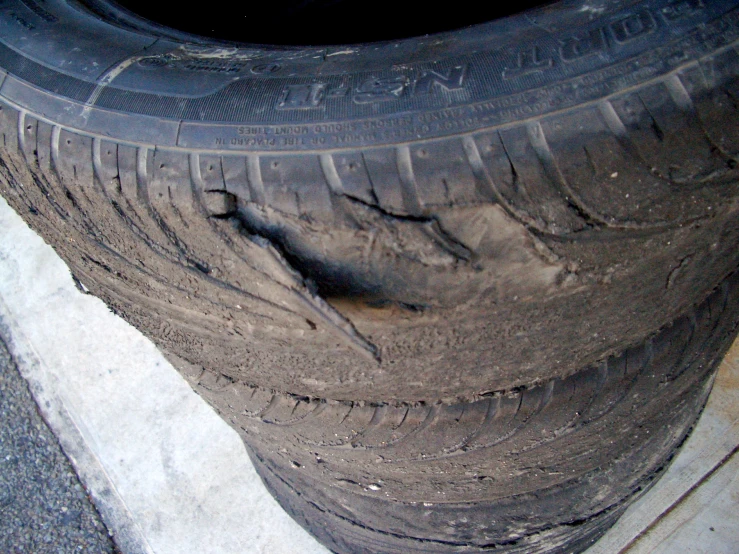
306	292
432	228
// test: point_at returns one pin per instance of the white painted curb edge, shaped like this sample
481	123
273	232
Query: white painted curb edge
97	482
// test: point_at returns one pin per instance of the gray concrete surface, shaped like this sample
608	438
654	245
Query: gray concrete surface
650	521
168	476
43	506
704	523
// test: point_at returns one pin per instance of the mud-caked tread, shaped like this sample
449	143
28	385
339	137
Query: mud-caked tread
268	237
368	497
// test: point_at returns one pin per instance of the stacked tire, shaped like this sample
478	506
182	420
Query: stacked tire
456	292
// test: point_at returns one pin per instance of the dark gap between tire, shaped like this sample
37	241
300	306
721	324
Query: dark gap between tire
323	22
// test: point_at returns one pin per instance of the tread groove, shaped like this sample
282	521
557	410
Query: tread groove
254	178
408	188
679	93
97	162
546	157
56	133
332	175
21	130
492	190
485	185
612	119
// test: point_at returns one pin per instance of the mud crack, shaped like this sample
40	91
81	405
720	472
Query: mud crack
305	292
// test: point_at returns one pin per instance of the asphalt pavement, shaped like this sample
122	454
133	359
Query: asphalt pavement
43	506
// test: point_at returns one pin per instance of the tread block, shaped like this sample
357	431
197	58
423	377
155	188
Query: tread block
246	401
67	157
667	137
688	154
8	128
106	165
296	185
443	174
294	412
610	181
74	163
382	168
42	167
211	173
127	174
383	429
235	177
280	409
455	425
714	86
169	183
500	423
336	426
612	388
141	195
611	178
412	420
519	177
44	133
353	173
27	131
442	422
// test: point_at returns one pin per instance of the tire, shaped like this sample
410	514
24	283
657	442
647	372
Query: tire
370	258
544	469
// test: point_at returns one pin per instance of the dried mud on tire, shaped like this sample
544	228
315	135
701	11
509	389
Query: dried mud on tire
506	472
